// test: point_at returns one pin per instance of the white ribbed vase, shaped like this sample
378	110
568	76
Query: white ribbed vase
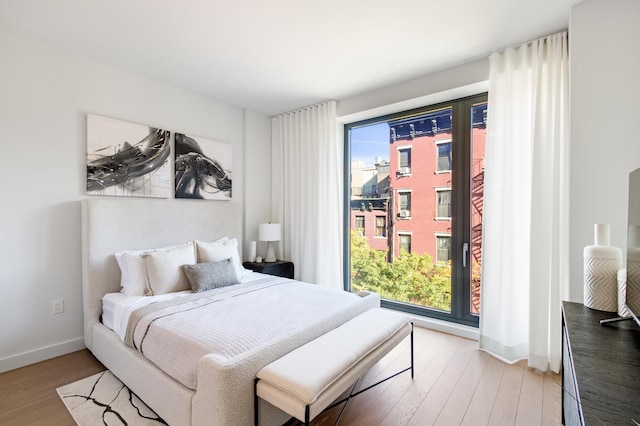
601	265
622	293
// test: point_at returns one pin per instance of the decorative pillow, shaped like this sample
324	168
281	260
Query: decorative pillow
210	275
220	250
133	276
164	272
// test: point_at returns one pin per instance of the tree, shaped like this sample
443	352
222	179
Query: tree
412	278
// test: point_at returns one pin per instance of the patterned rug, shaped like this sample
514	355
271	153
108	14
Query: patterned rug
102	399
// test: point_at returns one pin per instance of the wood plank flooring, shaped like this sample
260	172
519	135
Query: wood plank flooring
455	384
28	394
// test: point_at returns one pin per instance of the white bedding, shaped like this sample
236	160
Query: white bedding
230	324
117	307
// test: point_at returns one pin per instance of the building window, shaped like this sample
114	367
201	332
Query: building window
404	243
404	161
444	156
381	226
370	190
443	203
404	204
443	248
360	225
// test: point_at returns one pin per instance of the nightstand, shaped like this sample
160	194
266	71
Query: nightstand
280	268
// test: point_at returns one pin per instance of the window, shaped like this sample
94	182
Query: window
444	156
443	248
404	204
404	161
443	203
381	226
369	190
442	148
360	225
404	243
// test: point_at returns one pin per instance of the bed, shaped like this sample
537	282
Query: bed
221	392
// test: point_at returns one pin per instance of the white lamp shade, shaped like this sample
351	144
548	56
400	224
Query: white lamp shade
269	232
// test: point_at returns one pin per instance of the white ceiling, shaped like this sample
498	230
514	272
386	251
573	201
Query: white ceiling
279	55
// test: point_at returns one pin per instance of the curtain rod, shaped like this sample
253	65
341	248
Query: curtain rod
307	108
502	49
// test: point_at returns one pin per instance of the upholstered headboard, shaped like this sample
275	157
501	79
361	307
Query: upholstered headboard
110	225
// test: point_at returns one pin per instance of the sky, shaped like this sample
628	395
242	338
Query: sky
369	142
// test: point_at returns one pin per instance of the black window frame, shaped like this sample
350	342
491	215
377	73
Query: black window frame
460	159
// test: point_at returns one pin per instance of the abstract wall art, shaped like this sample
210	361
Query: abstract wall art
127	159
202	168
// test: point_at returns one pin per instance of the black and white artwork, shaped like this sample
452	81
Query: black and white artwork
202	168
127	159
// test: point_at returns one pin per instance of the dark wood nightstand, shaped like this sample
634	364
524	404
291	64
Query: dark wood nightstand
280	268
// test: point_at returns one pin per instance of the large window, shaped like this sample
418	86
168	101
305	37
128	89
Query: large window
424	254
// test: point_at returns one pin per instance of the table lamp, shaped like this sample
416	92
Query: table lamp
269	232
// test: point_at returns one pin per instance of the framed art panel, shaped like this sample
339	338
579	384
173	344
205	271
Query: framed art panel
202	168
127	159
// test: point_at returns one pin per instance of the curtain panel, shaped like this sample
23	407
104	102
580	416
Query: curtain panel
306	192
525	267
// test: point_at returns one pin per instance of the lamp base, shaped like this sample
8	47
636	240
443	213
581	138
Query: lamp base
271	253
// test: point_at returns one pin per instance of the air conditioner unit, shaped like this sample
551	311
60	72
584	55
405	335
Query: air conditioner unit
404	170
404	213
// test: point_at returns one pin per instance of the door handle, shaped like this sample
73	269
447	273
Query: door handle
465	252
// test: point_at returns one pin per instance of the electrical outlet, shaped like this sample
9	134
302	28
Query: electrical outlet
58	306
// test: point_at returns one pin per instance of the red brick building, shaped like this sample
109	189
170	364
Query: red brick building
410	207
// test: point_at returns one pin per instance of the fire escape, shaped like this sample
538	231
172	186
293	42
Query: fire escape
477	204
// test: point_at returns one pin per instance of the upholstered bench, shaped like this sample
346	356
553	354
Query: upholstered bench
306	381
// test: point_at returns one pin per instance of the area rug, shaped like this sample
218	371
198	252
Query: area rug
102	399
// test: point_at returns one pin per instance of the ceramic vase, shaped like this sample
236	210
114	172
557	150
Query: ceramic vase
601	265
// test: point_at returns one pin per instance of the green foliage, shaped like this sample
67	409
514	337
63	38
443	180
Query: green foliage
411	278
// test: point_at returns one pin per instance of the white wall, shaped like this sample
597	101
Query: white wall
44	97
257	178
466	79
605	111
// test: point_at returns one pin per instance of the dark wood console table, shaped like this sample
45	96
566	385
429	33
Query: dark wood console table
601	368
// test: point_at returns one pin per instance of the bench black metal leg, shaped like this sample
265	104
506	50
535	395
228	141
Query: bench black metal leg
306	416
412	350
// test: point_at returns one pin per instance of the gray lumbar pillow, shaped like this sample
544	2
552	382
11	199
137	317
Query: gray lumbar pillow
210	275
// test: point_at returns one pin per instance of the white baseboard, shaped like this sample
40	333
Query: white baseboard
41	354
456	329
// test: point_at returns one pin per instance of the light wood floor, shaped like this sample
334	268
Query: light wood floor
455	384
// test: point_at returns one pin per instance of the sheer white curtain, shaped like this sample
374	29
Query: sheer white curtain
526	234
306	192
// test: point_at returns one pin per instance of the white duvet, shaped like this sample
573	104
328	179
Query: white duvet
233	324
117	307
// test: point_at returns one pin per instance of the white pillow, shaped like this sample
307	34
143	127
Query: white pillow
133	276
219	250
164	268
